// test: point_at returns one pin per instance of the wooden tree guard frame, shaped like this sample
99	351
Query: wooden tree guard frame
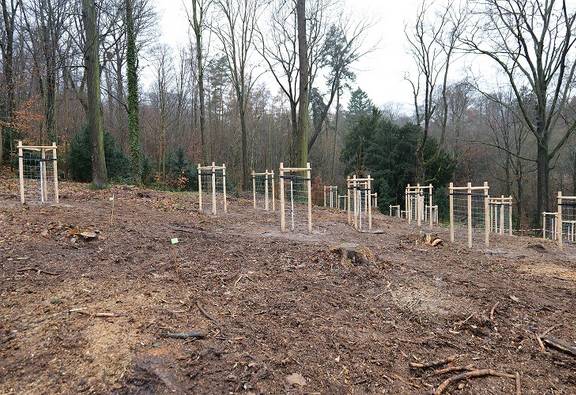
43	176
374	200
395	210
414	203
468	190
565	201
307	171
355	187
211	170
332	192
342	202
498	205
554	226
268	187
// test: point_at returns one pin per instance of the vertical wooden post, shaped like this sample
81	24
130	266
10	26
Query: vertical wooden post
213	188
544	226
309	182
408	204
559	229
430	189
199	187
254	189
502	216
273	193
355	193
266	205
510	211
55	170
43	175
348	185
21	171
324	191
487	214
469	213
451	204
418	204
224	188
369	202
282	209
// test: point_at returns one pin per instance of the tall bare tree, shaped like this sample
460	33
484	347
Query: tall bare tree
198	23
92	65
9	14
433	39
236	32
301	141
532	42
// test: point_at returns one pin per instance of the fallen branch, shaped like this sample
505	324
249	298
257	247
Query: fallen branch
207	315
433	364
543	334
493	310
467	375
451	369
518	384
559	345
37	270
184	335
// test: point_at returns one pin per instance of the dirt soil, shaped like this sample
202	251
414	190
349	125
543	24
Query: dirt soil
276	312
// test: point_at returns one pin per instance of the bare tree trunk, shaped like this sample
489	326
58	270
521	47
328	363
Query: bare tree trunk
543	172
92	64
133	107
335	136
301	143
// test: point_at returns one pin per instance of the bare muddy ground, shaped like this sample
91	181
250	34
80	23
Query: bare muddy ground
276	312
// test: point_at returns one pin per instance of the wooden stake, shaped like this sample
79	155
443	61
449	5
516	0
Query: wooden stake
273	194
224	188
369	202
213	188
502	220
254	189
469	208
510	211
21	171
199	188
487	214
43	192
266	191
55	170
309	182
451	204
430	189
559	229
282	203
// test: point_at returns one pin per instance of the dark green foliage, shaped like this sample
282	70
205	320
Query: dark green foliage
387	152
79	158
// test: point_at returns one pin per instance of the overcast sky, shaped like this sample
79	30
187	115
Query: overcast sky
380	73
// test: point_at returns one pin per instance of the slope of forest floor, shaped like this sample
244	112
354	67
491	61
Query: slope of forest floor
278	312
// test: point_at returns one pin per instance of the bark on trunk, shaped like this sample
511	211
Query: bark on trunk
301	143
543	171
92	64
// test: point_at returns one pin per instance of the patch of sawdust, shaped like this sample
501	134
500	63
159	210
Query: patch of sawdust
428	300
550	270
108	350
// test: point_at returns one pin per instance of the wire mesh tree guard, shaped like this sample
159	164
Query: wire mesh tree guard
395	211
38	173
263	192
296	197
469	206
342	202
566	220
330	196
549	226
212	188
374	198
359	202
501	214
419	204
